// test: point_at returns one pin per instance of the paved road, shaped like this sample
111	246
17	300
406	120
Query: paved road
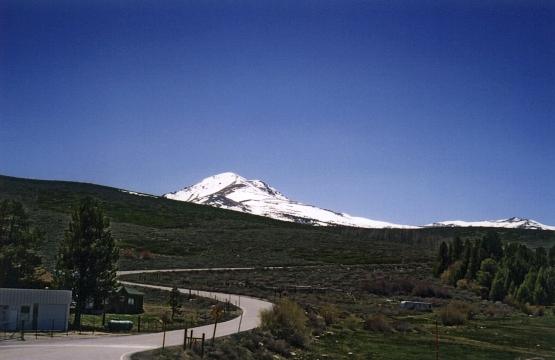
120	347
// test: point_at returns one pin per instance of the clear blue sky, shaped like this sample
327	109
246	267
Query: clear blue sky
404	111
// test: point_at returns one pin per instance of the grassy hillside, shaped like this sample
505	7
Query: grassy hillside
181	234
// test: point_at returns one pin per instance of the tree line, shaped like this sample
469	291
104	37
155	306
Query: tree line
509	272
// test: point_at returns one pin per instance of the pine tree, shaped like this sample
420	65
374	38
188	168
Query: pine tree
498	290
492	245
443	259
467	254
541	258
474	262
552	256
457	249
19	244
87	257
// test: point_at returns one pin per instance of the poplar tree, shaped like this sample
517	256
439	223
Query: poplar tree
87	257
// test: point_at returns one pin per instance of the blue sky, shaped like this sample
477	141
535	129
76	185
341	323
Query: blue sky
404	111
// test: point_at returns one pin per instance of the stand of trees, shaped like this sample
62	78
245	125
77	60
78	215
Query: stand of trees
512	271
19	242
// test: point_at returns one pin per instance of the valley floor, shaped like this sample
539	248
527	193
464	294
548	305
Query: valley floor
349	296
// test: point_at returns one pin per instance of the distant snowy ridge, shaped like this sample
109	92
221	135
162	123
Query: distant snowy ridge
511	223
234	192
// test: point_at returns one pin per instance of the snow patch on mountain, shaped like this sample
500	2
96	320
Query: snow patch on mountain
231	191
137	193
512	223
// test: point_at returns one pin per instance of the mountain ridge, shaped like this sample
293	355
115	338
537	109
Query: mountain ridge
231	191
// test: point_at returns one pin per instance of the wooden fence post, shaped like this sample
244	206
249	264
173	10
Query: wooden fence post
240	320
164	335
202	346
191	340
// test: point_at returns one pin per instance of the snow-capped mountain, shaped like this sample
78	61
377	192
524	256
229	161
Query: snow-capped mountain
513	223
234	192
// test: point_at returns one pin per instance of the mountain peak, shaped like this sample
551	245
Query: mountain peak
231	191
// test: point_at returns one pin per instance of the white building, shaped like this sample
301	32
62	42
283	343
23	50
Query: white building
34	309
416	305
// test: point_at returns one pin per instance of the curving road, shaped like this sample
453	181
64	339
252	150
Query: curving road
120	347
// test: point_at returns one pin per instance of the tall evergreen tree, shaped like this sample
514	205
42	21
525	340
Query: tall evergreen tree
552	256
541	258
492	245
474	261
467	254
19	243
458	248
442	260
87	257
498	290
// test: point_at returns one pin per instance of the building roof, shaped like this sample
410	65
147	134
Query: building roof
29	296
129	290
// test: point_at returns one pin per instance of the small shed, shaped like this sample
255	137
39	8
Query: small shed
125	300
34	309
416	305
